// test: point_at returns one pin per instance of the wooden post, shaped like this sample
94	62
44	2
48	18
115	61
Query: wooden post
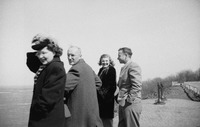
159	100
163	98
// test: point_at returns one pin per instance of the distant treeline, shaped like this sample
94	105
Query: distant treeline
149	87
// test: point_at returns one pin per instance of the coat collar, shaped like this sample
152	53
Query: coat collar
55	59
127	64
80	61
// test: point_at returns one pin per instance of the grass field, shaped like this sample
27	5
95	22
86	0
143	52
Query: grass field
179	111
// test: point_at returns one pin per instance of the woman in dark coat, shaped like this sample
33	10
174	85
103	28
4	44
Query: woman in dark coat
47	107
107	74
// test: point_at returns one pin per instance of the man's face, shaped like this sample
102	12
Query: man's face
121	56
45	56
73	56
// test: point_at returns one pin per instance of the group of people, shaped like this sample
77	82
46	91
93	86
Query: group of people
81	98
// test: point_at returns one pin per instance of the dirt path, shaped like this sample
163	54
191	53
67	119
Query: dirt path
175	113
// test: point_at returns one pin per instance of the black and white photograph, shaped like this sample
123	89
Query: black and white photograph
99	63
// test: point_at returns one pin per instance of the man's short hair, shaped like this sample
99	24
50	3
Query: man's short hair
77	48
126	50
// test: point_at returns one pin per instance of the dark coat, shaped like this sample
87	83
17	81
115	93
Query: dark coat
47	107
82	97
106	92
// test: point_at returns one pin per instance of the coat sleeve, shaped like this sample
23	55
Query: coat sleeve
72	80
97	81
134	74
32	62
73	77
52	90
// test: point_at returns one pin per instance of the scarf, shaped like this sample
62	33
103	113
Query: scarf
38	73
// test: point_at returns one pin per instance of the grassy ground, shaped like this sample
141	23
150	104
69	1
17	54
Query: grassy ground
175	92
179	110
174	113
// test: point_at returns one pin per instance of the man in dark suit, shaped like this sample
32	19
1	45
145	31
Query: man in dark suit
80	92
130	82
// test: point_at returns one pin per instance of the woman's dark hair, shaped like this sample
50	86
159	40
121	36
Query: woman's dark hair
54	47
40	41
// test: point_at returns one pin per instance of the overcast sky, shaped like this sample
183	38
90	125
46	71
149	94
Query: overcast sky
164	35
